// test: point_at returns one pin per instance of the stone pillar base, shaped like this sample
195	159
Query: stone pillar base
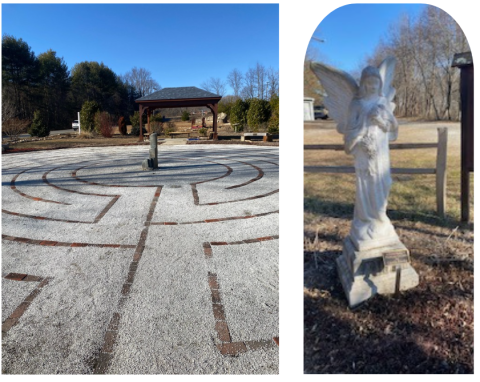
380	270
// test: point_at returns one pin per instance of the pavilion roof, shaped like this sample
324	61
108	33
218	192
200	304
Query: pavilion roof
188	92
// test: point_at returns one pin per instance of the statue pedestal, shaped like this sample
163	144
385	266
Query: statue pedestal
382	270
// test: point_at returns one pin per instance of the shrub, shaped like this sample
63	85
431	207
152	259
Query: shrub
185	115
156	127
122	126
258	113
14	127
169	128
274	121
238	114
136	130
157	118
38	128
87	116
104	124
135	119
202	131
225	105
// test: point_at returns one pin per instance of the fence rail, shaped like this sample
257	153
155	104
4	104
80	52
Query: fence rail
440	170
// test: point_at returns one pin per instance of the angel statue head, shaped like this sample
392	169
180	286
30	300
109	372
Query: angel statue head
343	90
370	82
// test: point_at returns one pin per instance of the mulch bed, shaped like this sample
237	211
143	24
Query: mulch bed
428	329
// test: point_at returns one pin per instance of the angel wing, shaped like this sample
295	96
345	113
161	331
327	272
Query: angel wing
341	87
387	71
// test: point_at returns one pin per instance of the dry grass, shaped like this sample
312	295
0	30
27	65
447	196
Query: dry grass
411	195
69	141
428	329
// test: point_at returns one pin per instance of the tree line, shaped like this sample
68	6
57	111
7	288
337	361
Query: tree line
254	104
257	82
42	88
426	85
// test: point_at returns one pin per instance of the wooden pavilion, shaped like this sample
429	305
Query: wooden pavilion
178	97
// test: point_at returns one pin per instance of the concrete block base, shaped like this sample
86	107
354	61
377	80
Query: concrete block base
382	270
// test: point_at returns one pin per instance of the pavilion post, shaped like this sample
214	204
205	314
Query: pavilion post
140	112
149	112
214	109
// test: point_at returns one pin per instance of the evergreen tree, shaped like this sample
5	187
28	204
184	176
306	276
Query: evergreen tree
20	76
38	127
87	116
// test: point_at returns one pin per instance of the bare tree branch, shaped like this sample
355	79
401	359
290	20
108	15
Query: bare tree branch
142	81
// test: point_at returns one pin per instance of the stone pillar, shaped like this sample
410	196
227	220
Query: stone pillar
151	163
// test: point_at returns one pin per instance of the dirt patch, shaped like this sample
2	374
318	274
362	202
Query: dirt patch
428	329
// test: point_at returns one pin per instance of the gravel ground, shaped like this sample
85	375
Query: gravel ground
129	256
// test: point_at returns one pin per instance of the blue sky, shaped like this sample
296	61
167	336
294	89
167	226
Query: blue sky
352	32
181	44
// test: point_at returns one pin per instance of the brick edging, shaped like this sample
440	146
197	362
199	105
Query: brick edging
105	356
196	199
227	347
36	199
13	319
216	220
52	243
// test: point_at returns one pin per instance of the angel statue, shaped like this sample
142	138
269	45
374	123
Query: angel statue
364	115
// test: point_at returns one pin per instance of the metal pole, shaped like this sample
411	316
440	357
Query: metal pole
78	113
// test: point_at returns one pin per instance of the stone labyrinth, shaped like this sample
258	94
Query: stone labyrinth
109	269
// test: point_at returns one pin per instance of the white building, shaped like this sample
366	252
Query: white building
308	114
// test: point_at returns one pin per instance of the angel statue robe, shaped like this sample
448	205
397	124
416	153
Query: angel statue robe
370	127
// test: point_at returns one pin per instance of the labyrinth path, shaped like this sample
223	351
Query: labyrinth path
109	269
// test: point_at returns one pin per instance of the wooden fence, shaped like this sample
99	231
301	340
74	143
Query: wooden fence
440	170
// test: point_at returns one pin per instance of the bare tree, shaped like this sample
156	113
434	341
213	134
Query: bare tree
427	86
272	78
249	89
11	124
261	79
235	80
311	85
142	81
259	82
214	85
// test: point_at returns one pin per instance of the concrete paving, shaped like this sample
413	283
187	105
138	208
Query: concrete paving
108	269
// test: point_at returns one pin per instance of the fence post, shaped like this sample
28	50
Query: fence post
441	171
